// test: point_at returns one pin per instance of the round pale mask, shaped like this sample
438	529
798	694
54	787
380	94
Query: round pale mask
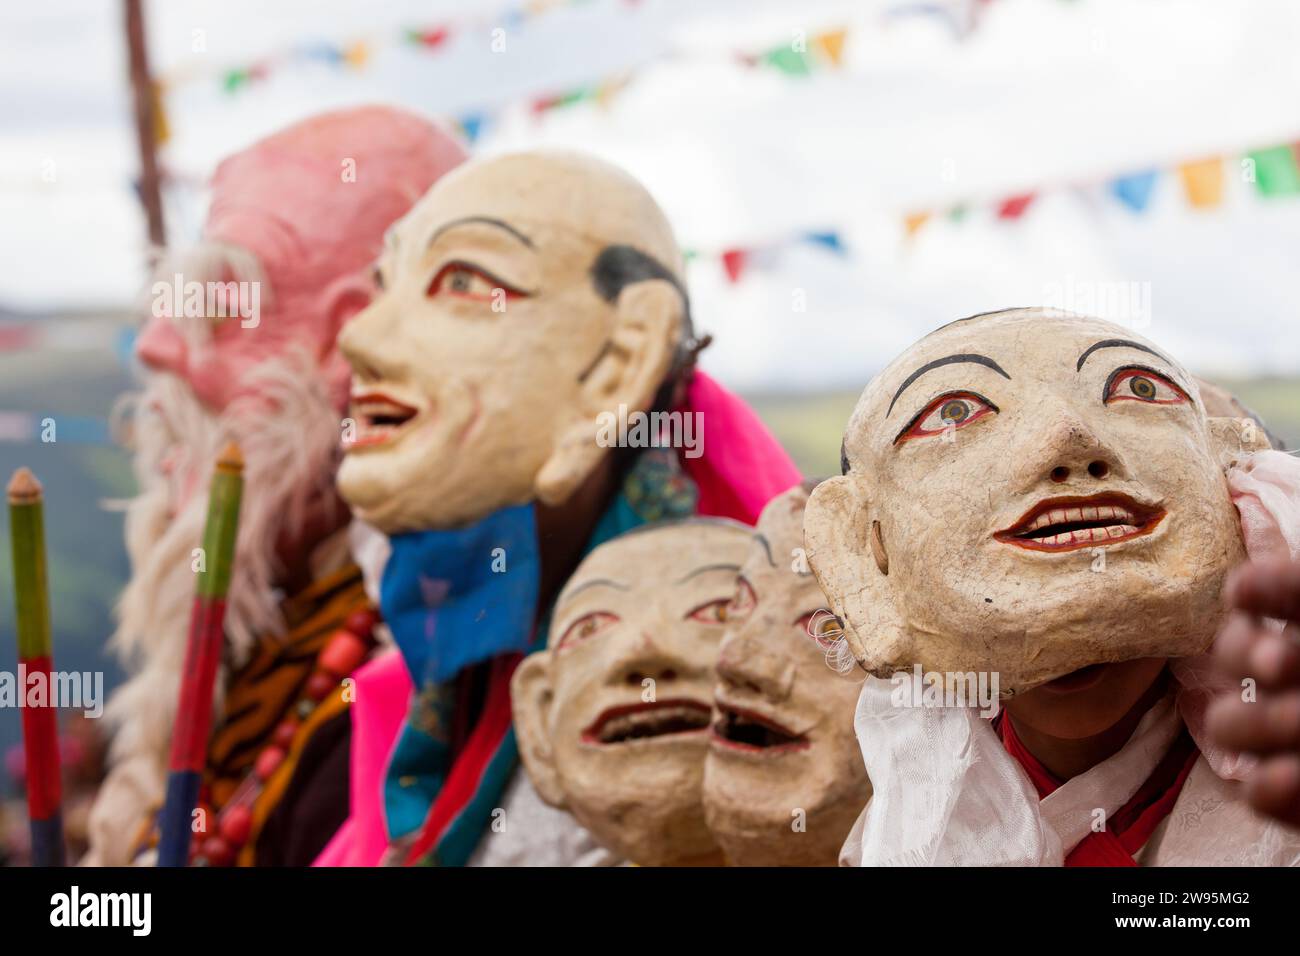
523	296
783	780
1026	493
613	718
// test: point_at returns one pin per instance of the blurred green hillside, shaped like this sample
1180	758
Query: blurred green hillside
84	551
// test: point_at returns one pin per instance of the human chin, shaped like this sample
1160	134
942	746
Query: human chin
1087	701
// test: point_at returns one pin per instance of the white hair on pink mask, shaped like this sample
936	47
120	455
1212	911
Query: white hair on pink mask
288	431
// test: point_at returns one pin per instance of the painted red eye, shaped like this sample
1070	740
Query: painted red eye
587	626
465	282
946	413
1137	384
822	626
717	611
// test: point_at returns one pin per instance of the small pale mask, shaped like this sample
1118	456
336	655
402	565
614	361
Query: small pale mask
523	296
783	781
1027	493
613	717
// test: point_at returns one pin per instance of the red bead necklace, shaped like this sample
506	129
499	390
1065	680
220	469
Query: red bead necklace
342	654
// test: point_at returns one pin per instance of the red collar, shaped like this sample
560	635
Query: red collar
1128	828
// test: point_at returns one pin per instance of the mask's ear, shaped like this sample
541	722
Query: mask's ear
848	550
340	301
1235	438
530	701
648	319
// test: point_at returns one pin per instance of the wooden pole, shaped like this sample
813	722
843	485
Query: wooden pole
36	656
202	656
145	133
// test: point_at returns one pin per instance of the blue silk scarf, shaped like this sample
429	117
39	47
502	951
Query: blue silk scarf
452	599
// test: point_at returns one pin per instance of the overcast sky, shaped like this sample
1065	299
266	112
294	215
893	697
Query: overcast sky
1048	94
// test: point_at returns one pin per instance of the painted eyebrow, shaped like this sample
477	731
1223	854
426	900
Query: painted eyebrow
969	357
735	568
595	582
766	547
482	220
1117	344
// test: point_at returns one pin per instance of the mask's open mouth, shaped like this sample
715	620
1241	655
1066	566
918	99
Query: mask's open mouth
749	732
662	718
379	418
1068	524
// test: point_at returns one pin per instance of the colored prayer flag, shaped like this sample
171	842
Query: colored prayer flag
914	222
357	54
1202	182
828	240
1135	190
831	45
472	126
733	263
1275	171
1014	207
788	60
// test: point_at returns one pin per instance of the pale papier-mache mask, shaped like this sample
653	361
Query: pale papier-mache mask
1026	493
523	296
613	718
783	780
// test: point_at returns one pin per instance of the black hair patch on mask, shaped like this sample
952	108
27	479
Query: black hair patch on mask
620	266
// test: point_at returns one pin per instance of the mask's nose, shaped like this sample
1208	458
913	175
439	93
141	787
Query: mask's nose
744	663
648	659
161	348
1069	451
370	346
